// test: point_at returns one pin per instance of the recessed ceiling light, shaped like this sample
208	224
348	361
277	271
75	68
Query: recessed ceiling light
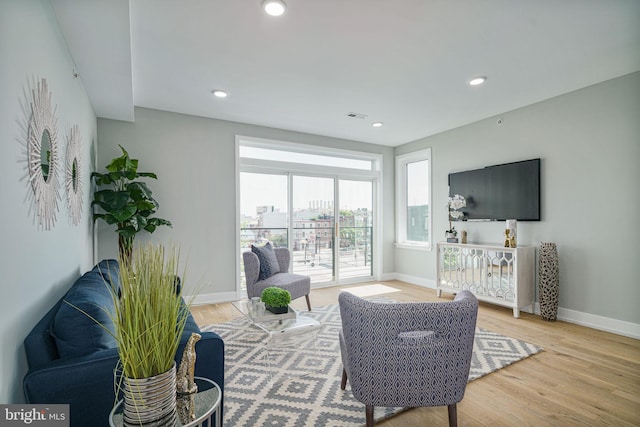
274	7
376	124
477	81
220	93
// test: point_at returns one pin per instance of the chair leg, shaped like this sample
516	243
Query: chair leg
368	409
453	415
343	384
308	302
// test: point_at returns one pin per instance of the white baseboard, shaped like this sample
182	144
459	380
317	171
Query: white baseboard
414	280
619	327
213	298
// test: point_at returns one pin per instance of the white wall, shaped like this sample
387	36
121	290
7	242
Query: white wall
194	159
589	143
37	266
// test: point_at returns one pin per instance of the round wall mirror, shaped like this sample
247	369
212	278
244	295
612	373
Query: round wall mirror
73	175
45	154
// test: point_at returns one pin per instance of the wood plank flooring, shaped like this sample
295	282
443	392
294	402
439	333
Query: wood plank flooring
584	377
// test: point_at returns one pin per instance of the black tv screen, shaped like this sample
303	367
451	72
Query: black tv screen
500	192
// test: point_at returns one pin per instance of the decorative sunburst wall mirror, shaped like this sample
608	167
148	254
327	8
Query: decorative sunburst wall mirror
43	154
73	175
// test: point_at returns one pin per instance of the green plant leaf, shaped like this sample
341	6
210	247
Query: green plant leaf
102	179
108	218
148	175
132	165
124	214
147	206
116	200
153	223
159	221
127	232
141	221
117	164
139	191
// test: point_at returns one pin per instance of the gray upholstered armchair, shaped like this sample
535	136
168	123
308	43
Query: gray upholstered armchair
296	284
407	354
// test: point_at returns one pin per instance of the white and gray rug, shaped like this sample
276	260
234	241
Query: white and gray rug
300	387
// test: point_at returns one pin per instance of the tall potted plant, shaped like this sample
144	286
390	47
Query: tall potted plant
149	318
126	202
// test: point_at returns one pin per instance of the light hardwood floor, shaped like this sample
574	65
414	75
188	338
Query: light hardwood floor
584	377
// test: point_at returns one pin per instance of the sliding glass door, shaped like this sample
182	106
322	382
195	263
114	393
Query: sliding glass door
312	244
355	229
329	241
264	207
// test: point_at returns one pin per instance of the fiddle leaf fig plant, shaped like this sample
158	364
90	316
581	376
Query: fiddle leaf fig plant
125	202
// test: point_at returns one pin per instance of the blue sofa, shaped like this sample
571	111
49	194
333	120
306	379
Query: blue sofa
72	359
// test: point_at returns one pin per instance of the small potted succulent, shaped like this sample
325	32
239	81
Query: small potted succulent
276	300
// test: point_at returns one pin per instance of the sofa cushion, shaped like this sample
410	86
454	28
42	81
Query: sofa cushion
268	260
75	333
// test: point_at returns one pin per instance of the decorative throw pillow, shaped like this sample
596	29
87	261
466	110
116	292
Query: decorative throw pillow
77	334
268	261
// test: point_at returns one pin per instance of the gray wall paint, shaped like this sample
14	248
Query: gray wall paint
589	143
194	158
37	266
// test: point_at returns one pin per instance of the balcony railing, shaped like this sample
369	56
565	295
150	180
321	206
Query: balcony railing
312	253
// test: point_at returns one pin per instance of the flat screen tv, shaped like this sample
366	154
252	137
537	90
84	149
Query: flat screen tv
500	192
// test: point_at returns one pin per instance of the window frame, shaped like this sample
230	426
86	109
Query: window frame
402	161
256	165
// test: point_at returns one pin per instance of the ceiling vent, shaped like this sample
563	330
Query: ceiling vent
357	116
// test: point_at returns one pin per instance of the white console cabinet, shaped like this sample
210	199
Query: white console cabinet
495	274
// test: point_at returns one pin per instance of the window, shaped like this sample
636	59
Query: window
413	200
289	154
323	187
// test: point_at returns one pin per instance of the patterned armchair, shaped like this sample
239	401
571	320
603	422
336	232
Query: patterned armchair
296	284
407	354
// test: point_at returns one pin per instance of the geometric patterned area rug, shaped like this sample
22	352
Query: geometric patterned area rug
299	385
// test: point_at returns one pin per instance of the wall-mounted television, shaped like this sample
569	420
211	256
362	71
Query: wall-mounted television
500	192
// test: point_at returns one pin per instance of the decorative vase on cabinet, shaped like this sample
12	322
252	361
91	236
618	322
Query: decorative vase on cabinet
548	275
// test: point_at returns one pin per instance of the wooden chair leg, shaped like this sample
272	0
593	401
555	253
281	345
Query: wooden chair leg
369	415
453	415
343	384
308	302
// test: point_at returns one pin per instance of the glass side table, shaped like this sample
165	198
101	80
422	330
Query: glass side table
287	335
207	407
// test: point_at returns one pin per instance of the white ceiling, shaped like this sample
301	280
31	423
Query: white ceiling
401	62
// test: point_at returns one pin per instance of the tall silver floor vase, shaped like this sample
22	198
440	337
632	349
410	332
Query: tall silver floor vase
548	276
